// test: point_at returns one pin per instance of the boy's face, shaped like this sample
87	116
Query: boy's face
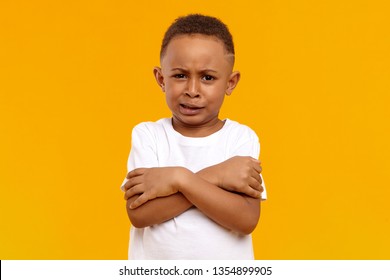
195	74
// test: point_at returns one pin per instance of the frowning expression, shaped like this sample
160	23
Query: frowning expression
195	74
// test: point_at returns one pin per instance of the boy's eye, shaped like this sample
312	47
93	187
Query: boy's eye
179	76
208	78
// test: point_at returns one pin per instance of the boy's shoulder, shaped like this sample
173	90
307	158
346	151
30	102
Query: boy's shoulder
151	127
240	129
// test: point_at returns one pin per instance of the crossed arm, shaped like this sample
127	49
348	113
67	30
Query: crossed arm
228	193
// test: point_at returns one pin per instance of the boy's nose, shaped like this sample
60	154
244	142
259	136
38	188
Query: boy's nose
192	88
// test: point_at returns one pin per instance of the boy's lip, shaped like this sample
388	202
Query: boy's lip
190	109
191	106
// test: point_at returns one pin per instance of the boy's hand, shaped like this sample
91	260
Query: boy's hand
241	174
151	183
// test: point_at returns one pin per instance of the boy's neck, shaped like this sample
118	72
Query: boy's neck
189	130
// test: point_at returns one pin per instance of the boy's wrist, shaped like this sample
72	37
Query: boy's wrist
183	177
217	172
212	174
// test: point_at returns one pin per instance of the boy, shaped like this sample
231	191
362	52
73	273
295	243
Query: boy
194	186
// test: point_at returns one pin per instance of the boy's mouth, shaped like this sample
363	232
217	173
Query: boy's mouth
189	109
190	106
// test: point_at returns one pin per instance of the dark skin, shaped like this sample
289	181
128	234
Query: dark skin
176	194
196	74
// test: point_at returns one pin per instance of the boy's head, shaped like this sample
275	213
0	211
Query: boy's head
197	57
199	24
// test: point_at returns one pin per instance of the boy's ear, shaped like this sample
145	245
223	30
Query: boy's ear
233	81
159	77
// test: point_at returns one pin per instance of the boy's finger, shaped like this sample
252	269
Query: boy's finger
135	172
257	167
250	191
255	184
256	176
132	182
133	191
253	193
139	201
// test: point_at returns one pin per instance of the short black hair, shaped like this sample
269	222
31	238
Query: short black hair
198	24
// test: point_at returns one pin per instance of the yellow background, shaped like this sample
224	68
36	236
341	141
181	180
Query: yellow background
76	76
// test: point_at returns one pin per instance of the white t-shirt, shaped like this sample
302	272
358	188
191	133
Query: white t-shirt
191	235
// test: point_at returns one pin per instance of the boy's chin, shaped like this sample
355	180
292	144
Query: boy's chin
194	120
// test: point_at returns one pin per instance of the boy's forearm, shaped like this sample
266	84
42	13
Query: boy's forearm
210	174
239	174
158	210
233	211
162	209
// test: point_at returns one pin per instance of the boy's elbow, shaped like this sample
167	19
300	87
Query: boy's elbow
248	227
138	224
134	217
250	222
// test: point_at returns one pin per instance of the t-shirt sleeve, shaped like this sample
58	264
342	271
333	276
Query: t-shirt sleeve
248	144
143	151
